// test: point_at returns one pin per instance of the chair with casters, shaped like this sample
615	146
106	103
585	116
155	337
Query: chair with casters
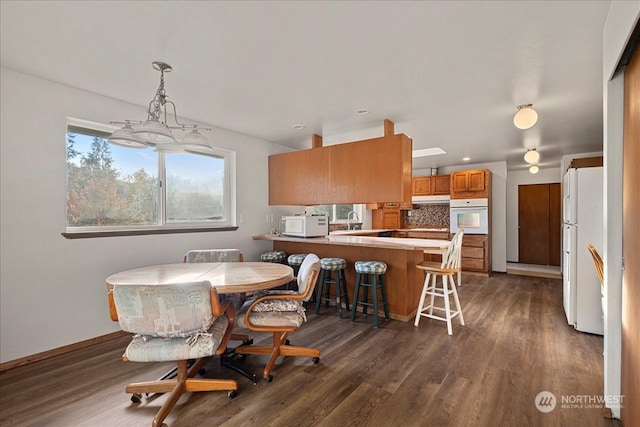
225	255
445	288
281	312
177	322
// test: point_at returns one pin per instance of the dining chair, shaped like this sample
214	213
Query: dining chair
281	312
177	322
237	299
446	270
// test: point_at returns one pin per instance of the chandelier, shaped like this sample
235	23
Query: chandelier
155	131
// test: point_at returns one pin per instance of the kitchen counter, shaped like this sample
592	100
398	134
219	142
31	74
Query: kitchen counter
403	281
376	231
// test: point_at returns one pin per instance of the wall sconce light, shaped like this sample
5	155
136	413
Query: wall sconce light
526	116
531	156
534	169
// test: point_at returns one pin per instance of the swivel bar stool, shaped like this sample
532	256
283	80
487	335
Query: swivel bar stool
332	273
370	275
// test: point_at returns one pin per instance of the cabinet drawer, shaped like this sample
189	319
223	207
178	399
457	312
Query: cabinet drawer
473	241
472	252
473	264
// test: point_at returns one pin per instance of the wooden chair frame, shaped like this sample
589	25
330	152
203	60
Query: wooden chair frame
280	346
184	381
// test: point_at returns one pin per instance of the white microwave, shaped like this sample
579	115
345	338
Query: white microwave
472	215
305	225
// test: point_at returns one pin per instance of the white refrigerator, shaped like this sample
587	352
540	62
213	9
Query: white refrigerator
582	224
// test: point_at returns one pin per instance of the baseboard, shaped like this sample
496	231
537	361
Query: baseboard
531	273
60	350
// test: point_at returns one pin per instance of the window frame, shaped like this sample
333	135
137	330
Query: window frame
162	226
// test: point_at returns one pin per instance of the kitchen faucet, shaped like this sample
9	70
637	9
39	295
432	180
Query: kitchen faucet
350	220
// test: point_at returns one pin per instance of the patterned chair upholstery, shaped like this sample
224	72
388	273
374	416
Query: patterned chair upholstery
175	322
214	255
281	312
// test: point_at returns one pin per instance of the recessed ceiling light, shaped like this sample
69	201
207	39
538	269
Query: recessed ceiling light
428	152
362	111
298	126
466	159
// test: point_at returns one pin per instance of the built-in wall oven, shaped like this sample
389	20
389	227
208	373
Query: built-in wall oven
472	215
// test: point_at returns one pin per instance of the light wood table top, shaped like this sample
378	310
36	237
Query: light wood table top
226	277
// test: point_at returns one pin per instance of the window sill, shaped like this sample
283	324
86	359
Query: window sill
94	234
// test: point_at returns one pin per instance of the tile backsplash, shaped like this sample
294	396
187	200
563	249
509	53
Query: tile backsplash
428	215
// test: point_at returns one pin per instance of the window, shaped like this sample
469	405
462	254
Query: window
111	188
338	213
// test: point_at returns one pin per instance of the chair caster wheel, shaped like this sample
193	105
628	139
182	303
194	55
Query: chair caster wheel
247	342
287	342
242	356
136	397
269	378
202	371
316	360
232	394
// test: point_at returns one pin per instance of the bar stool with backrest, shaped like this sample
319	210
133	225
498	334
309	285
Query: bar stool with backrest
370	275
446	270
332	273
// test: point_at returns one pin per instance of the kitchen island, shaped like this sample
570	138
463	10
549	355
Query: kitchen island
403	281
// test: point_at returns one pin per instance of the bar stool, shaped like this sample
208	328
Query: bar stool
370	274
294	261
274	256
332	272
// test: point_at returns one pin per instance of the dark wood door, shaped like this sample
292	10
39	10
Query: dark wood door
539	224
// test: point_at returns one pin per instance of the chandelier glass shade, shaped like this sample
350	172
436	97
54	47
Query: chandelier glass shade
526	117
534	169
155	131
531	156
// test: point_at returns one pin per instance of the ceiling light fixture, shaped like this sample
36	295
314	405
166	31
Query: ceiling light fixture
531	156
362	111
526	116
466	159
534	169
298	126
155	131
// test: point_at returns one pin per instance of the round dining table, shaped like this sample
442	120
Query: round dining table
226	277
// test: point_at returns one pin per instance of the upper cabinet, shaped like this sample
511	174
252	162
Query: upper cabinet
436	185
375	170
471	184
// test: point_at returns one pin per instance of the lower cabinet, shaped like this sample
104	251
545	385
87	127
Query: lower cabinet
476	253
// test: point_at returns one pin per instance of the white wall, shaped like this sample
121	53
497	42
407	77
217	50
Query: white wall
498	207
621	20
514	179
52	290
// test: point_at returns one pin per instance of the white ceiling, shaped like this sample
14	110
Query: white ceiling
448	74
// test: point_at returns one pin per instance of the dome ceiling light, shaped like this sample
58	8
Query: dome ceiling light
526	116
534	169
531	156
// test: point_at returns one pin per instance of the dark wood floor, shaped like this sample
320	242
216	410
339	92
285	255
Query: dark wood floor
516	343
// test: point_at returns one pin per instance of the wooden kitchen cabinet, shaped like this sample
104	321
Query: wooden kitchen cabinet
476	253
435	185
388	216
471	184
372	170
